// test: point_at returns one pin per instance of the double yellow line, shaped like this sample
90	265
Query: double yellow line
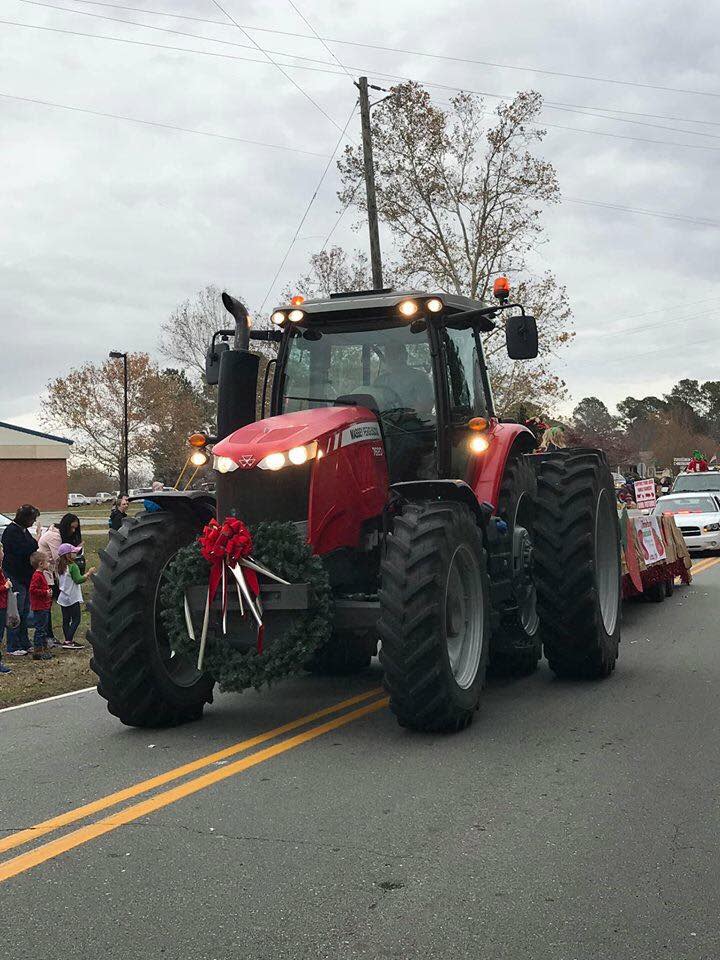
702	565
68	841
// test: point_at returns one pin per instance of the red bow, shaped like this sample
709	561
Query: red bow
223	546
226	544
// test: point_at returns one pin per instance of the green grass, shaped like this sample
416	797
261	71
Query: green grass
70	669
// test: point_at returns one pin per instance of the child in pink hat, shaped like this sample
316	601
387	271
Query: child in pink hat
70	598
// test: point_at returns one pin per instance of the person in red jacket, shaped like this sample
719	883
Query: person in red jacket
40	604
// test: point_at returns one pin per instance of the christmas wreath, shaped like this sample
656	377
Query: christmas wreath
279	547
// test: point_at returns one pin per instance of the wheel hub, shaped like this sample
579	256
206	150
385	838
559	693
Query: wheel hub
464	616
524	579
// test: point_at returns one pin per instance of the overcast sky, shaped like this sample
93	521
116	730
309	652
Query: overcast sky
105	225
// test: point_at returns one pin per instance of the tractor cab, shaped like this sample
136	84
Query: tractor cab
414	359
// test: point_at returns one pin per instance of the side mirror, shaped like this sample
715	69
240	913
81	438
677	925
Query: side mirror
521	337
212	361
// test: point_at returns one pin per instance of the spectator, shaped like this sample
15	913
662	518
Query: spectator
5	588
553	439
70	598
19	545
150	505
119	512
66	531
40	604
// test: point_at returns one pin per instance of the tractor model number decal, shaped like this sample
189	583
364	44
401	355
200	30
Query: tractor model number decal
357	433
370	430
378	451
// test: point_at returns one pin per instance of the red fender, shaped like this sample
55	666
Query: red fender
487	469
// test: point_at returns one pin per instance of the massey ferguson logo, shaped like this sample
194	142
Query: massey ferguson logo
246	462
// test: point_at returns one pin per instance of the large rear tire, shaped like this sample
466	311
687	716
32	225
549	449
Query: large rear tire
516	647
434	616
577	563
143	681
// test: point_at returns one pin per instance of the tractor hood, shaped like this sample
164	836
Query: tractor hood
251	443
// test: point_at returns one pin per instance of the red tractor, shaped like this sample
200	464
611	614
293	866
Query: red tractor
444	536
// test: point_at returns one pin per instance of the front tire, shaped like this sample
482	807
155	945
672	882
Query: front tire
434	616
577	563
143	681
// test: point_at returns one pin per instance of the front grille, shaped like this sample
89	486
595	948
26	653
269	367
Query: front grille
690	531
255	495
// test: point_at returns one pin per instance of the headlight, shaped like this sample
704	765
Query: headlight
711	527
408	308
295	316
198	458
278	317
273	461
435	305
479	443
295	456
224	464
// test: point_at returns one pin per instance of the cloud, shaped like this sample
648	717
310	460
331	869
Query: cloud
107	225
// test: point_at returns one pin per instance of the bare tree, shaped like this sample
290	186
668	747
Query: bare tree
332	271
462	198
186	333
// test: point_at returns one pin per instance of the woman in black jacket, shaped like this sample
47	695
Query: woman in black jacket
18	544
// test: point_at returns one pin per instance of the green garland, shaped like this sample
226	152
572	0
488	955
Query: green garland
280	548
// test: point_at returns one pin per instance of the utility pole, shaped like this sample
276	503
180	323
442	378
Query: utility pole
117	355
375	258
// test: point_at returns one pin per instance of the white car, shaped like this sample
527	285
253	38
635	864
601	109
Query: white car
78	499
706	482
697	516
103	497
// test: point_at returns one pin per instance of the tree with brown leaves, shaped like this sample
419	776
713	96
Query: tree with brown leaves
462	198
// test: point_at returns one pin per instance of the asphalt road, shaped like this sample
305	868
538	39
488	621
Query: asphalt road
570	822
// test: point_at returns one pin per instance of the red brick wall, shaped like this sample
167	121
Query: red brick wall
40	482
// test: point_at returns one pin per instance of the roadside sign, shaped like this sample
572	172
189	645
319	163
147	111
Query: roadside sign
681	462
645	496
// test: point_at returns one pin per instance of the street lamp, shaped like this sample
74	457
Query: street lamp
116	355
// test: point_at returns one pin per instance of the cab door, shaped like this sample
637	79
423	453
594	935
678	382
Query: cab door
466	395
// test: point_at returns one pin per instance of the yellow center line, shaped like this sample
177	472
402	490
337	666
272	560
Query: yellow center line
79	813
53	848
702	565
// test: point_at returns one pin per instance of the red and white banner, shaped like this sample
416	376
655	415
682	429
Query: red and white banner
645	496
650	539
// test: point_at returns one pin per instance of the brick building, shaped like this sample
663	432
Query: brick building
33	469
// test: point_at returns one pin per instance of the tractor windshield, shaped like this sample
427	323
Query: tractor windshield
386	368
391	365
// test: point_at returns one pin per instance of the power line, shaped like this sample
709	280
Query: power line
307	209
157	123
315	34
279	66
468	60
563	107
699	314
155	13
227	56
342	214
670	306
676	347
664	215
